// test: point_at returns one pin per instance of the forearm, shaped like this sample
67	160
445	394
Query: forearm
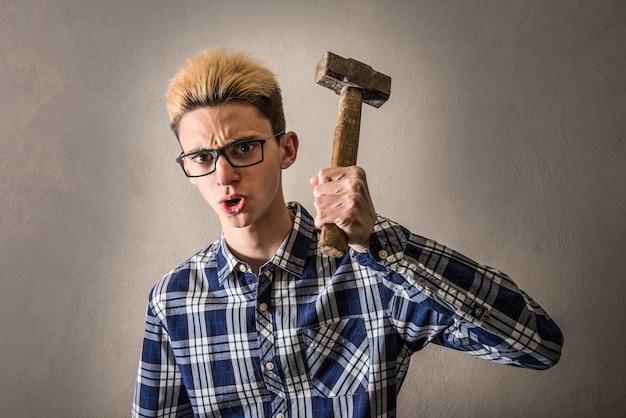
489	315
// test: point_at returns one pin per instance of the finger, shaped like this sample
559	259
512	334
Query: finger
330	216
326	201
330	188
328	175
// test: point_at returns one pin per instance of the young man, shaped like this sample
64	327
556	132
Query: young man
260	323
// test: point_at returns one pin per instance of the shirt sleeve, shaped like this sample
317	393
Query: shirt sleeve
438	295
159	391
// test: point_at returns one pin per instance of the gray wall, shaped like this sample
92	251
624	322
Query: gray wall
503	138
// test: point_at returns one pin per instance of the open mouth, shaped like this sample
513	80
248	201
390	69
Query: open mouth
233	202
234	206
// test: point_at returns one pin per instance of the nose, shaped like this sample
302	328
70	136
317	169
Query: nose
224	173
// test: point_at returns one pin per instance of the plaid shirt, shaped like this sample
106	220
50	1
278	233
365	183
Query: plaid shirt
314	336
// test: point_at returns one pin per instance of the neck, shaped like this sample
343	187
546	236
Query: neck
257	244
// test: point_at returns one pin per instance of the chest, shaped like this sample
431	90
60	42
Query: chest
322	335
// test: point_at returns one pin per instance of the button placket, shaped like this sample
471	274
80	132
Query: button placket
265	327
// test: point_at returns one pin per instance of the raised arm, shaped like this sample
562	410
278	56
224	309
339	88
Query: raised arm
462	304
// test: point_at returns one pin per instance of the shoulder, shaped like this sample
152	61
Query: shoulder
184	278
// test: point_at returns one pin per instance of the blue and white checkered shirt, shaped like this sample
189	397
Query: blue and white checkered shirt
314	336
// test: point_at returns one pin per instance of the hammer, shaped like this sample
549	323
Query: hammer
355	82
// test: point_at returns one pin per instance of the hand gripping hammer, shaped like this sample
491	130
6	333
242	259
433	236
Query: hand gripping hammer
355	82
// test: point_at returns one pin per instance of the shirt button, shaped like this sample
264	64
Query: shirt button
383	254
269	366
263	306
280	415
242	268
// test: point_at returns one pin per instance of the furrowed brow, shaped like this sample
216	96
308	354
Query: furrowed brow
198	151
245	139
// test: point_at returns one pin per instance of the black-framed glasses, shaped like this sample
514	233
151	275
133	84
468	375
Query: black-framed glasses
243	153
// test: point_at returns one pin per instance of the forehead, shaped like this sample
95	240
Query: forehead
215	127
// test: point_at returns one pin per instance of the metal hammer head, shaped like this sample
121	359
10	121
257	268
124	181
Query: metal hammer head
335	72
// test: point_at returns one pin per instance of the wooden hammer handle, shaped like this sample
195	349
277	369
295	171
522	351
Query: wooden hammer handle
333	241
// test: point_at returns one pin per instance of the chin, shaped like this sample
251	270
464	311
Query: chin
237	221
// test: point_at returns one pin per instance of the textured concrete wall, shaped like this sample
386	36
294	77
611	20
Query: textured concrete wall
503	138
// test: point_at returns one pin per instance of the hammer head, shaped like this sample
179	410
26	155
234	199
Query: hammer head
335	72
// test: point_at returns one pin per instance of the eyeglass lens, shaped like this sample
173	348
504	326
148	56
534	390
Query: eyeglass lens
238	154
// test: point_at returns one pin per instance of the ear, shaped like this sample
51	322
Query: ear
288	149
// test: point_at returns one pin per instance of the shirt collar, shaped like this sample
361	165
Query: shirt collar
296	248
290	256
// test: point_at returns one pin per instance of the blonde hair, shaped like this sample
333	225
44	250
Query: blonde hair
214	77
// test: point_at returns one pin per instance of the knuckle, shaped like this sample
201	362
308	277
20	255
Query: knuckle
352	183
324	175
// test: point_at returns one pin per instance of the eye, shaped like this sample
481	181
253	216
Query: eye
244	148
202	158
